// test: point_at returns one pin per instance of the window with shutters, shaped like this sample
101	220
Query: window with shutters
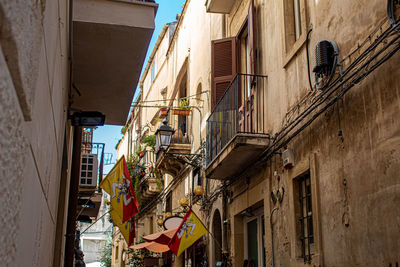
223	66
233	55
295	27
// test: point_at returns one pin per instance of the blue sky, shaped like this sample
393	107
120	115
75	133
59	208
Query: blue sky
110	135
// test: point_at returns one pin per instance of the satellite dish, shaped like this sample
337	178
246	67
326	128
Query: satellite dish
172	222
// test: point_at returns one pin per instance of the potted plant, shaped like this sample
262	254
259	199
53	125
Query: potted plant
184	108
163	112
140	152
149	141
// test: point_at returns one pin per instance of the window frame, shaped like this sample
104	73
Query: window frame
291	44
301	167
303	216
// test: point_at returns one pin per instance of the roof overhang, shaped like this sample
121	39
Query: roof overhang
110	41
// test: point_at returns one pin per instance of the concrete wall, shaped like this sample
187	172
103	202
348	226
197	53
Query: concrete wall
34	82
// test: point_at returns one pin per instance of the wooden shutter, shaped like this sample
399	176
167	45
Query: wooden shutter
223	67
252	37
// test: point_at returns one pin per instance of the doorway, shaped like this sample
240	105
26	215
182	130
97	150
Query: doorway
254	249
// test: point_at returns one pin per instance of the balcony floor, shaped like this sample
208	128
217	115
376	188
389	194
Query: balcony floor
234	158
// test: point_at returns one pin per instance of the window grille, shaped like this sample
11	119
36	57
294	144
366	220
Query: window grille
306	217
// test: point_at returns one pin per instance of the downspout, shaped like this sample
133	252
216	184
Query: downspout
272	235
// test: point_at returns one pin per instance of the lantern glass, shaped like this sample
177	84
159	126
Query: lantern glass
163	136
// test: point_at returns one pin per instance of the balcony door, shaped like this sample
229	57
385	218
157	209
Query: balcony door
247	67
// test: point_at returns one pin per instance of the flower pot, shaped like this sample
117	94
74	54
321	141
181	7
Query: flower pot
163	112
183	112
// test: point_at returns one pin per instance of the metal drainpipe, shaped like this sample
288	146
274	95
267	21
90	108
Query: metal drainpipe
272	235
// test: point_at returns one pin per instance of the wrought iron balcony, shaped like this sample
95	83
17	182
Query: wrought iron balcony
166	162
236	129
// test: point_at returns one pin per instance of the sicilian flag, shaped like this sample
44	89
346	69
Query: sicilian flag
190	230
119	186
127	228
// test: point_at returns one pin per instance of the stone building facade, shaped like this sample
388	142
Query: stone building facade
300	162
326	209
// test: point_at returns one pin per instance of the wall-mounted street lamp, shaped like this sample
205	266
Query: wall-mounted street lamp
163	136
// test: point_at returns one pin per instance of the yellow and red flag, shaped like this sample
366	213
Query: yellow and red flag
127	228
119	186
190	230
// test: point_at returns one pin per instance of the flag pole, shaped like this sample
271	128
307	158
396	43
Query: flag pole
96	221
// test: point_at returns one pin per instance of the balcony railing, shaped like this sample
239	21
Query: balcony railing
180	124
240	110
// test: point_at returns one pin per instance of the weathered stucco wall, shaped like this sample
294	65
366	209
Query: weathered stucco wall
33	64
355	177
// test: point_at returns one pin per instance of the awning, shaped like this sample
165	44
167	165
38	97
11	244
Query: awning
152	246
161	237
157	242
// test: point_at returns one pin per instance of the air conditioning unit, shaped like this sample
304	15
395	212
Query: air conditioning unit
288	158
88	174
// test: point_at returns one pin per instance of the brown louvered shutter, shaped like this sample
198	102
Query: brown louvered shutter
223	67
252	37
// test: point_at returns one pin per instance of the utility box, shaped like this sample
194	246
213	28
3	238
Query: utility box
288	158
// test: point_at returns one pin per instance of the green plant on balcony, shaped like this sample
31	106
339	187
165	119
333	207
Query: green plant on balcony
184	104
183	107
159	178
137	190
130	162
150	141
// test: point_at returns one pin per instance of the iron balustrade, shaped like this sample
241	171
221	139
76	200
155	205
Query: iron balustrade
180	124
241	109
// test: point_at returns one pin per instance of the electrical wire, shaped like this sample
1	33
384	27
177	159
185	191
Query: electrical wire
137	103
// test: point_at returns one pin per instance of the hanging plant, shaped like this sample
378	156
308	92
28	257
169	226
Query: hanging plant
184	108
163	112
150	141
159	179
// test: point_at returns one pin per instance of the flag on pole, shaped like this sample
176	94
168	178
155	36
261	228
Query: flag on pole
190	230
119	186
127	228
